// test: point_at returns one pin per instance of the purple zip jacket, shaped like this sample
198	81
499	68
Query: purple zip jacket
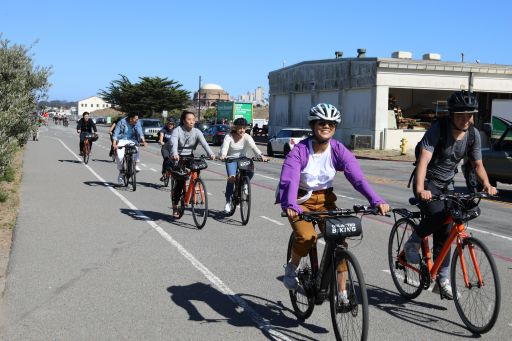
343	161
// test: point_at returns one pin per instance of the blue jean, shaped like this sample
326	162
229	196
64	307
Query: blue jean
231	168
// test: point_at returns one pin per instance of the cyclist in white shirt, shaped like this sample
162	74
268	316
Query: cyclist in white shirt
236	144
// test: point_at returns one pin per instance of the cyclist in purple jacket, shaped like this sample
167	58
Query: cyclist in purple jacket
306	185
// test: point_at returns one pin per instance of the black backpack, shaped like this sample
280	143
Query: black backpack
469	170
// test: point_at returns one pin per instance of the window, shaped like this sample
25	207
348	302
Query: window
284	133
97	105
302	133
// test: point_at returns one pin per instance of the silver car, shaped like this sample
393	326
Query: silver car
498	159
286	139
151	127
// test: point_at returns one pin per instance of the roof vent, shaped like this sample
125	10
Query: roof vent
431	56
361	53
402	55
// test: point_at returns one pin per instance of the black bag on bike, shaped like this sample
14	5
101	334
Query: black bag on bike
197	165
130	150
337	229
246	164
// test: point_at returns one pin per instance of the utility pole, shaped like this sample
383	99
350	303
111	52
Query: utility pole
199	101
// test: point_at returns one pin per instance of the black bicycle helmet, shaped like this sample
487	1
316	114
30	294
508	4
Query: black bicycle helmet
241	122
462	101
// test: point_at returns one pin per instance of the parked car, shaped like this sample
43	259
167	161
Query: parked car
151	127
286	139
203	126
215	134
498	158
101	120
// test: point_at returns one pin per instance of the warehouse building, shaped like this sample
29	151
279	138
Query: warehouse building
382	99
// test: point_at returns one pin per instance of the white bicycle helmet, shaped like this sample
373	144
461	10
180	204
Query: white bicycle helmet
324	112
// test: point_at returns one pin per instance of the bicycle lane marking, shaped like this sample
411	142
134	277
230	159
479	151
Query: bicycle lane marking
210	276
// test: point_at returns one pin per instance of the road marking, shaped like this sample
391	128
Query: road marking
267	177
216	281
142	164
491	233
152	169
209	193
344	196
272	220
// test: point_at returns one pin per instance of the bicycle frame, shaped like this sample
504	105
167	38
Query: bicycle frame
458	233
191	184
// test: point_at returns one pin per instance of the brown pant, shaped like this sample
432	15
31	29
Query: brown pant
305	234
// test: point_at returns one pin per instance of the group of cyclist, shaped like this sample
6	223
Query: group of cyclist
308	172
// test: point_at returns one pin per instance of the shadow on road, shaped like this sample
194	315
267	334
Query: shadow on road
70	161
403	309
230	312
220	216
99	183
101	160
157	216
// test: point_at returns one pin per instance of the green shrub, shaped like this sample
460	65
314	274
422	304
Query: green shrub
9	174
3	196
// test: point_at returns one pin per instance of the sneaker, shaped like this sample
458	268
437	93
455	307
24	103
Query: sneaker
137	168
412	250
245	188
444	288
290	280
227	208
120	179
343	298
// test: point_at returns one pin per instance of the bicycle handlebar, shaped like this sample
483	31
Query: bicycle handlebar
340	212
458	196
232	159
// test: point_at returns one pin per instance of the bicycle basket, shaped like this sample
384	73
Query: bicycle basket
178	170
467	210
337	229
246	164
197	165
129	149
90	136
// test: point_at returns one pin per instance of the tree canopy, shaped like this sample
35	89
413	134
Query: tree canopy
149	97
22	85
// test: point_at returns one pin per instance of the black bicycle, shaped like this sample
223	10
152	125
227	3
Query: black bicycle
318	283
242	192
129	172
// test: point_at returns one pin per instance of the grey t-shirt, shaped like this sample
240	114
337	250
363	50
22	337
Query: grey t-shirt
443	170
185	142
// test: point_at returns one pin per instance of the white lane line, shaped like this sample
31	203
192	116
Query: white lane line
415	283
344	196
272	220
267	177
142	164
209	193
491	233
216	281
152	169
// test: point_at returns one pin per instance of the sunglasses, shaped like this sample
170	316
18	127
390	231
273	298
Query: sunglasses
324	123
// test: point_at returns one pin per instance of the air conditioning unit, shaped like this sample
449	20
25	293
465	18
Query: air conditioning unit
361	141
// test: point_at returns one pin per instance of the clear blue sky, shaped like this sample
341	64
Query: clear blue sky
237	43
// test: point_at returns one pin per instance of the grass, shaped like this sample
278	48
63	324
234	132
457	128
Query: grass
9	174
10	183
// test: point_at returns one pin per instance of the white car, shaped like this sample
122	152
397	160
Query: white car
286	139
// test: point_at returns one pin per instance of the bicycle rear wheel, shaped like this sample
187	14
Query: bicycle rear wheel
350	321
408	282
478	304
86	152
302	302
199	203
245	200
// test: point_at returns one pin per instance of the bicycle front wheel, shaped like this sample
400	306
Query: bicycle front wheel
302	303
408	281
350	321
477	300
86	152
199	203
134	176
245	200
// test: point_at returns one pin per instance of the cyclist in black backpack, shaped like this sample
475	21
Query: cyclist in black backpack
444	145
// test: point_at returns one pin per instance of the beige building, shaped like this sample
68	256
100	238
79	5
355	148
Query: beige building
210	94
91	104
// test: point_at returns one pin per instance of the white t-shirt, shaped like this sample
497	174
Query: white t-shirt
318	174
238	149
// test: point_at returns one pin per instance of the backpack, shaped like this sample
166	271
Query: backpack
469	170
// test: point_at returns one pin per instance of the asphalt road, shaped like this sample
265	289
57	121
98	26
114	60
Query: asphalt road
94	262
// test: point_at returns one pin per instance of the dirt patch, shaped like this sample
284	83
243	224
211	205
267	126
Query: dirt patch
9	210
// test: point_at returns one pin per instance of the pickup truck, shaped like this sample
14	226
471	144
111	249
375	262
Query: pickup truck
498	158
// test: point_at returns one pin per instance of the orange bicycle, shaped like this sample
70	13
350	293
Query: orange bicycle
86	149
195	194
474	278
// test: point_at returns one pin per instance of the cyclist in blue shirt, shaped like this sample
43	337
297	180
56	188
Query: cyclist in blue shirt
127	131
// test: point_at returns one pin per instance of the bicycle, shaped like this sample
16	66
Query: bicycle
130	174
317	283
86	149
242	191
195	194
474	277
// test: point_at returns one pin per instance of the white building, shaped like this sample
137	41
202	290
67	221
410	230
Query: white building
361	88
91	104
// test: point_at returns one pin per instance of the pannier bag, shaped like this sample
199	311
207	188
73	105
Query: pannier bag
197	165
337	229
